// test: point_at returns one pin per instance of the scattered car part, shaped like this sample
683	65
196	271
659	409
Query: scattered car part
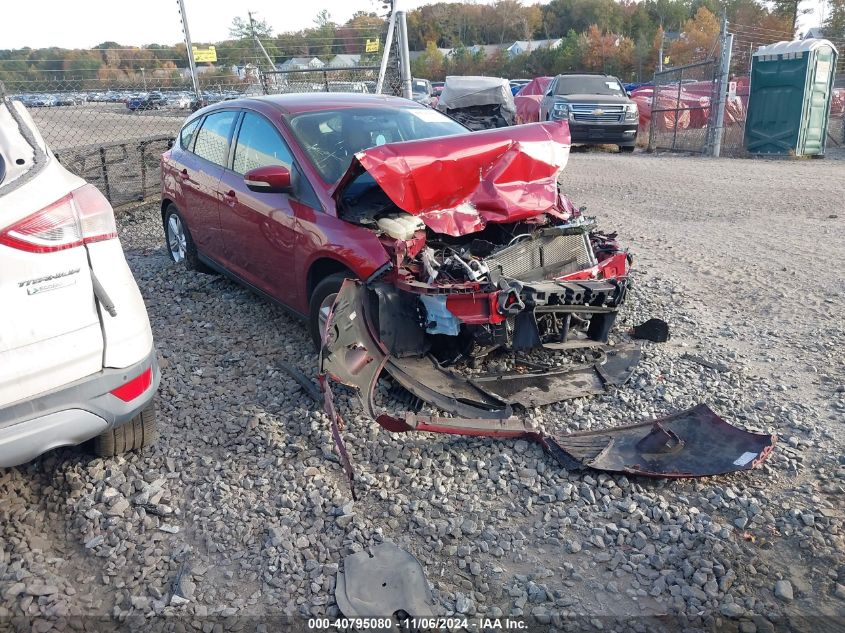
691	443
307	385
655	330
387	583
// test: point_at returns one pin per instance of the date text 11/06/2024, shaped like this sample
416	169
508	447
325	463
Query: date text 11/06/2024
416	624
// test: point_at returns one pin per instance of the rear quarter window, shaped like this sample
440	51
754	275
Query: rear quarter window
186	135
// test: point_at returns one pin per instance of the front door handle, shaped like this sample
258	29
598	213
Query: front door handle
231	197
184	175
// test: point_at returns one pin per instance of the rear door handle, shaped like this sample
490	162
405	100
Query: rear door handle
184	175
231	197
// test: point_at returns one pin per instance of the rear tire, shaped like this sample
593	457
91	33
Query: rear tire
321	295
136	434
179	243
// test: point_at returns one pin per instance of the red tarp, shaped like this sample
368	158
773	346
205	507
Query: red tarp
690	109
527	100
456	184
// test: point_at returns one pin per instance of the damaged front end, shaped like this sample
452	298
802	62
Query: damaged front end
485	252
500	262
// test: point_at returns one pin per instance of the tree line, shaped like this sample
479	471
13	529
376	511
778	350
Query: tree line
622	37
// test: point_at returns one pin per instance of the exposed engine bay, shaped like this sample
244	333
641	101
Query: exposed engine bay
551	280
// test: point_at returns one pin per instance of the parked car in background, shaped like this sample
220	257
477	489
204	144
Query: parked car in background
39	101
437	88
598	109
147	101
181	101
291	194
527	101
517	85
480	103
421	91
76	352
67	100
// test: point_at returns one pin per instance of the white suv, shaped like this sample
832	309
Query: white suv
76	352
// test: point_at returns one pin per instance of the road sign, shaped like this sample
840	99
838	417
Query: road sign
371	46
204	54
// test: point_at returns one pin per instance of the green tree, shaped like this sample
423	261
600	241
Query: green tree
791	9
241	29
834	24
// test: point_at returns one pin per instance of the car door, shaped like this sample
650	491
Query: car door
259	229
200	175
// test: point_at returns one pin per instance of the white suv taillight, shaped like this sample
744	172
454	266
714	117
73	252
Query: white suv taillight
81	217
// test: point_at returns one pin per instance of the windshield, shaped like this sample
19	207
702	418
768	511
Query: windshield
585	84
332	137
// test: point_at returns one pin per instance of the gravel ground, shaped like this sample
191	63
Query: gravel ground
244	496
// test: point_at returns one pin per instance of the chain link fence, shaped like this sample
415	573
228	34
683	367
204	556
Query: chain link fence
112	134
682	107
111	125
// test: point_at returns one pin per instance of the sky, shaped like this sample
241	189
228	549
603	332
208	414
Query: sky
86	23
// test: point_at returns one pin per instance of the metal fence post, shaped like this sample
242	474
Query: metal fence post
652	137
105	170
678	110
404	56
718	125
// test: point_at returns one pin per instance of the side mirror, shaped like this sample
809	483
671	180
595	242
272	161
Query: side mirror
269	179
628	92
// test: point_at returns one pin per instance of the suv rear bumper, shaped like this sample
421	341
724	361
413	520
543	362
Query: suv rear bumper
73	413
597	134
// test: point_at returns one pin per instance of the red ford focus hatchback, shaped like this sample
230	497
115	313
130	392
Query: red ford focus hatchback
462	239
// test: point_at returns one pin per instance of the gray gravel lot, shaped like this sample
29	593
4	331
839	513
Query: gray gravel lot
743	258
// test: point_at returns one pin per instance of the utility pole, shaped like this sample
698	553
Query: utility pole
256	41
191	64
660	52
391	24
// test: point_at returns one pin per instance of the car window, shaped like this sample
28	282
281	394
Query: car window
331	138
587	84
187	133
213	137
259	145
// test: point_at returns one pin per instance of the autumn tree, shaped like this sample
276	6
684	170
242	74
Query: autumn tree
429	64
698	39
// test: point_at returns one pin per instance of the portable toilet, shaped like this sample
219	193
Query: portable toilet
789	98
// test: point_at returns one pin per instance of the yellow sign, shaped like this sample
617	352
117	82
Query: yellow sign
371	46
204	54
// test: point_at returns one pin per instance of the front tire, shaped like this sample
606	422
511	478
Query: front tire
180	245
626	149
136	434
321	302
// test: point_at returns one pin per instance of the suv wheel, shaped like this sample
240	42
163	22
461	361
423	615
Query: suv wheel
626	149
136	434
321	302
180	246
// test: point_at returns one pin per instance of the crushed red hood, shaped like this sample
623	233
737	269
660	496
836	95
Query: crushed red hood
457	184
